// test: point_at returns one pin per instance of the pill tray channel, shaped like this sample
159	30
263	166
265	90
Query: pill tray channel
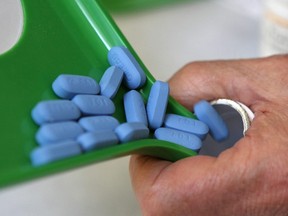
62	37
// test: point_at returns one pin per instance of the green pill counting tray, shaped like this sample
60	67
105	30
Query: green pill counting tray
64	37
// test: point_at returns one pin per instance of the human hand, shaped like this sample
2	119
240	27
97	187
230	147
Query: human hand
251	178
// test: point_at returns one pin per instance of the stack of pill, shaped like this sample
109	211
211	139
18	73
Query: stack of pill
82	119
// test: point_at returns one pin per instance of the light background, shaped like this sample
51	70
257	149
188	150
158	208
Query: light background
165	39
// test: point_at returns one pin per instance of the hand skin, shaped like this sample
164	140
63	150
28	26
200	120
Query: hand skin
250	178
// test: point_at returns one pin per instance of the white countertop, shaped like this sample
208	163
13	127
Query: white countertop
165	40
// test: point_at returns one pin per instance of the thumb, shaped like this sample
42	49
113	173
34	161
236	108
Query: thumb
216	79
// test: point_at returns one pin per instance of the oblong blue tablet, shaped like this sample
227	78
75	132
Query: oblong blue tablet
207	114
111	81
134	106
94	104
54	111
55	132
99	123
182	138
67	86
134	76
97	140
157	104
186	124
131	131
47	154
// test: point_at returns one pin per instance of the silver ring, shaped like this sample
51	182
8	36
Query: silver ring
246	114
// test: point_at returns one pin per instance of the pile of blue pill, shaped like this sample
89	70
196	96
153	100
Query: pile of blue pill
82	119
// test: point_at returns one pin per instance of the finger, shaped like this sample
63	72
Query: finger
144	170
240	80
152	178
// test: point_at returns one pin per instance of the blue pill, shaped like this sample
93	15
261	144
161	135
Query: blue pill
207	114
131	131
157	104
182	138
54	111
94	104
186	124
55	132
134	76
67	86
111	81
47	154
99	123
97	140
135	108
